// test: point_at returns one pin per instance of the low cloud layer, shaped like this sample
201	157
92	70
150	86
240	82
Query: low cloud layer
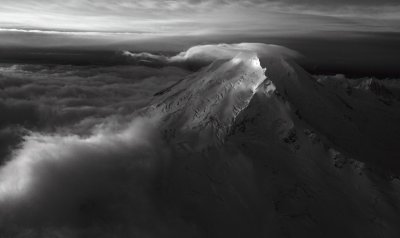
104	185
73	99
40	96
75	162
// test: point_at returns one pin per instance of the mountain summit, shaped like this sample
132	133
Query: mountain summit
262	148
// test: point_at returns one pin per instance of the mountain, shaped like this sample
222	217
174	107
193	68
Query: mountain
233	141
263	149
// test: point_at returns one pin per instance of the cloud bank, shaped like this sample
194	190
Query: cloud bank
75	161
104	185
73	99
66	94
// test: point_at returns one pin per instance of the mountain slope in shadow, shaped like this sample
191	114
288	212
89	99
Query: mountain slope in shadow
263	149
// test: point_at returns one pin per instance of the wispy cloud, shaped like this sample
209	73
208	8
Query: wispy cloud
79	33
161	16
108	22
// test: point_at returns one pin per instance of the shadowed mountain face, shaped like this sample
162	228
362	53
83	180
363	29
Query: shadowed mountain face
280	154
250	145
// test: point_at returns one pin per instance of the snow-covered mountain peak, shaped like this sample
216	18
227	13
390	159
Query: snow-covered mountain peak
207	102
203	108
307	146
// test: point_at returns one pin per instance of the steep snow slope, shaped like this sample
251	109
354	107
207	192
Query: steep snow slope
275	153
362	127
201	109
213	97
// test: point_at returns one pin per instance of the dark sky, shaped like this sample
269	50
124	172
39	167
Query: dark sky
64	22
